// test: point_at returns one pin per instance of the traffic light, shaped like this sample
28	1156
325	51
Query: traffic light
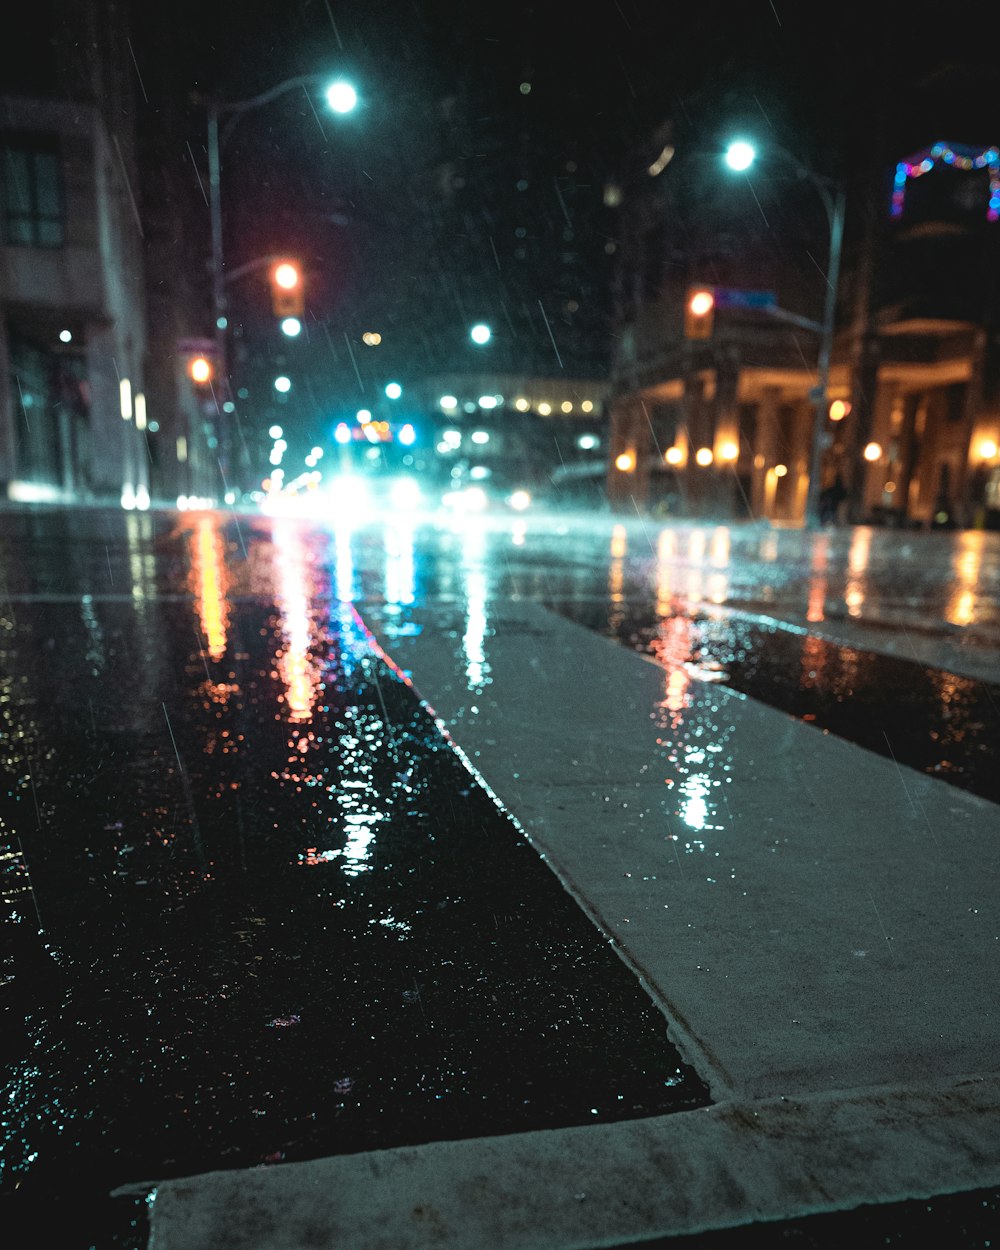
287	298
699	312
200	370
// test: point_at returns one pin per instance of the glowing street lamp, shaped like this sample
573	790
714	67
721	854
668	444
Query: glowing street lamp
480	334
341	98
740	155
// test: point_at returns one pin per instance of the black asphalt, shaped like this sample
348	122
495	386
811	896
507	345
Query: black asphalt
280	918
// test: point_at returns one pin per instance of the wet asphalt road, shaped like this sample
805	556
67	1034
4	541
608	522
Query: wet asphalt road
255	907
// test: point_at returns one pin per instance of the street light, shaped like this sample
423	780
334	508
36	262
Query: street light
340	96
740	155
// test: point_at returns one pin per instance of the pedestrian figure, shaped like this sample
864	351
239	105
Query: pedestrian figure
830	500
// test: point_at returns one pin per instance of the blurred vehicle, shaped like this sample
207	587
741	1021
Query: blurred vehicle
477	497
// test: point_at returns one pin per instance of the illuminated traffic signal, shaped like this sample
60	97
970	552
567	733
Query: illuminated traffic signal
287	297
200	370
699	313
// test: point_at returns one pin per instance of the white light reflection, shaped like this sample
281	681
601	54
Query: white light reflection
693	809
719	551
141	564
399	577
477	671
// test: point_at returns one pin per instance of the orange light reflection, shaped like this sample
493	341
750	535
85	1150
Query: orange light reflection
210	583
298	667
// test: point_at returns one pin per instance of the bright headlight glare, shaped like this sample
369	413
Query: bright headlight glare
405	493
349	493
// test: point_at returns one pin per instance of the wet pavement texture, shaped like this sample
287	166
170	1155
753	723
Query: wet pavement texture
963	1220
256	908
929	719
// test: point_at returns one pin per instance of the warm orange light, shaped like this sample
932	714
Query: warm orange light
625	463
780	470
729	451
703	456
839	410
873	451
987	449
701	302
210	584
200	369
286	275
673	455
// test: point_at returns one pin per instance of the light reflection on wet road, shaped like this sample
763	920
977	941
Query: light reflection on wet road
280	918
255	908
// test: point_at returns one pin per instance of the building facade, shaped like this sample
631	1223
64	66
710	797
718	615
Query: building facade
728	423
72	336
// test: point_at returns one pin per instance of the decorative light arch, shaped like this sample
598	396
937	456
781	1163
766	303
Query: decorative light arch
958	156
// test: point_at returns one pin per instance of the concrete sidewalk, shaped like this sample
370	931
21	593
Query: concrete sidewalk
818	926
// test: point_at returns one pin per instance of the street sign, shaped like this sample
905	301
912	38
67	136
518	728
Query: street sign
194	346
737	297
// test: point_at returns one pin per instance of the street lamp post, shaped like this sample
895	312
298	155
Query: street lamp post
341	97
739	156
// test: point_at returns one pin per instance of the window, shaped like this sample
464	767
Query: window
33	211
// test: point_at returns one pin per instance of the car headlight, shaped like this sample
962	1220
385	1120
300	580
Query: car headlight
349	495
405	493
520	500
468	499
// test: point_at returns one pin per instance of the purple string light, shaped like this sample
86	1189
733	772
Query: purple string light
958	156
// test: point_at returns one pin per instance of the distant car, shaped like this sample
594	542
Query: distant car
478	497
